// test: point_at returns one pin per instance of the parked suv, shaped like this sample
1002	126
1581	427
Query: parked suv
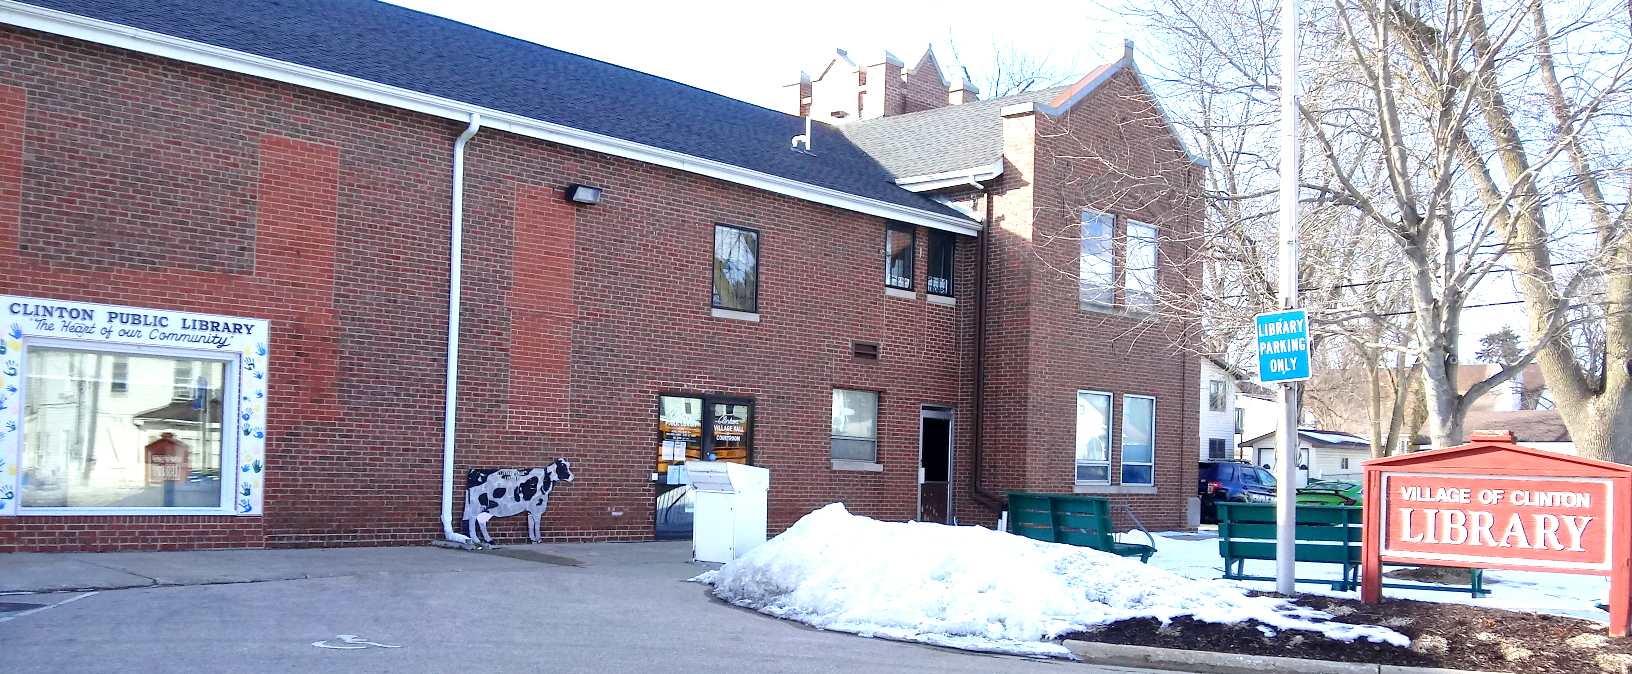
1236	481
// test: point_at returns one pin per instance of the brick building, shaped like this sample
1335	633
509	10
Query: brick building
229	234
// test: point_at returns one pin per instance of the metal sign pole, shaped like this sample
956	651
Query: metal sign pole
1286	442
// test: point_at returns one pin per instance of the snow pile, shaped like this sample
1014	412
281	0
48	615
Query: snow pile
969	587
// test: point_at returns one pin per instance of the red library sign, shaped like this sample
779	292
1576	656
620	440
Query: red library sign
1494	504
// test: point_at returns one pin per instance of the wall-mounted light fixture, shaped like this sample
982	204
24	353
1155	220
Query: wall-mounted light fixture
583	194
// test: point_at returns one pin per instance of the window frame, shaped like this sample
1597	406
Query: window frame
1124	463
1104	291
231	429
949	250
891	281
119	376
1139	298
714	267
1078	463
1217	395
878	406
1221	443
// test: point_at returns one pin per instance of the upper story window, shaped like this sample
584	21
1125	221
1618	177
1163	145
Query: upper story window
1215	395
899	242
1138	440
182	383
1093	437
855	425
942	257
1141	276
1097	267
120	382
736	268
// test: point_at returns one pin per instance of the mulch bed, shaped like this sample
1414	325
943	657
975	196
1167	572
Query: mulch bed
1453	636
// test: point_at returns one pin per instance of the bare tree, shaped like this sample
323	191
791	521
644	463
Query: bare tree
1015	70
1441	130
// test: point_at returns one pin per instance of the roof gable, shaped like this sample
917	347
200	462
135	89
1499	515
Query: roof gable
942	140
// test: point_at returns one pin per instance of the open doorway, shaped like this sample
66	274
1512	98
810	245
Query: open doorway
935	464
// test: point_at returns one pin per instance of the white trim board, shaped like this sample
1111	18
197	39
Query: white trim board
189	51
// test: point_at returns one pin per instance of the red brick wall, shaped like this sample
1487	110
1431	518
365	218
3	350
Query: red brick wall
129	179
228	194
150	183
642	327
1112	153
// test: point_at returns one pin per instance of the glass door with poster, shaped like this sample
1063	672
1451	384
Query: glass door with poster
695	428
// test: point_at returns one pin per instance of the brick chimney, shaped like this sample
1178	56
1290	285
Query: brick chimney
963	92
880	86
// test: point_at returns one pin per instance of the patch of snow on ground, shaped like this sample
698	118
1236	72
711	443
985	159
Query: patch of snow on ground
974	588
1566	594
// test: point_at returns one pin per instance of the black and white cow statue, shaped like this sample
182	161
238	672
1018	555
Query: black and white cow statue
501	492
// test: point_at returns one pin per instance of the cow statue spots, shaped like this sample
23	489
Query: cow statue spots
501	492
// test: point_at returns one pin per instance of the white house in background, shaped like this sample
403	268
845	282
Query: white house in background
1328	455
1218	410
1260	413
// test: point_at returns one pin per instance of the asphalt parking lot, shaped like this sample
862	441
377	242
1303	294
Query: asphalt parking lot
601	607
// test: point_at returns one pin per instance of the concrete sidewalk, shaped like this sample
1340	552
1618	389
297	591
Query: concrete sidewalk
599	607
54	572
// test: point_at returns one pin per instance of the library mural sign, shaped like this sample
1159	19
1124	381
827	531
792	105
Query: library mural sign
1495	504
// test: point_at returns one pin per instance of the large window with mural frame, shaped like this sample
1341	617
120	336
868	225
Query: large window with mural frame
119	410
127	429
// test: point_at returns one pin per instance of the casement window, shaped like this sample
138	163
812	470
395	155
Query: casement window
942	249
1093	437
899	243
1096	270
736	269
1138	440
1141	276
1215	395
855	425
1240	420
1218	449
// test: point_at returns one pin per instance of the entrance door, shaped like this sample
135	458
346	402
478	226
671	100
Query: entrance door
935	464
695	428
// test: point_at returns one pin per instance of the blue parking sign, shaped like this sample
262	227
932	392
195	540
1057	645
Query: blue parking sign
1283	346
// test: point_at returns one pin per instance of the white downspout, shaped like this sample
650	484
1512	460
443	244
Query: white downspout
455	278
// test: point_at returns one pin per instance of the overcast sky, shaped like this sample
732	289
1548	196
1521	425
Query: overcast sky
749	49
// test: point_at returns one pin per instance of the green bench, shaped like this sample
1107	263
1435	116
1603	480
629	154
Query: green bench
1070	519
1325	534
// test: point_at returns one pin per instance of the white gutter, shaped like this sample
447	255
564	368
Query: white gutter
935	181
456	255
189	51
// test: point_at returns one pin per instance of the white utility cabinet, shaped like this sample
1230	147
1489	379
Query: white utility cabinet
730	508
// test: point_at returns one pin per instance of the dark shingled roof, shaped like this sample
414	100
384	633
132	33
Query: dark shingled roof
404	48
940	140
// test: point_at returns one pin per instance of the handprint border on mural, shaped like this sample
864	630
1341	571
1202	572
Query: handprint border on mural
58	320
